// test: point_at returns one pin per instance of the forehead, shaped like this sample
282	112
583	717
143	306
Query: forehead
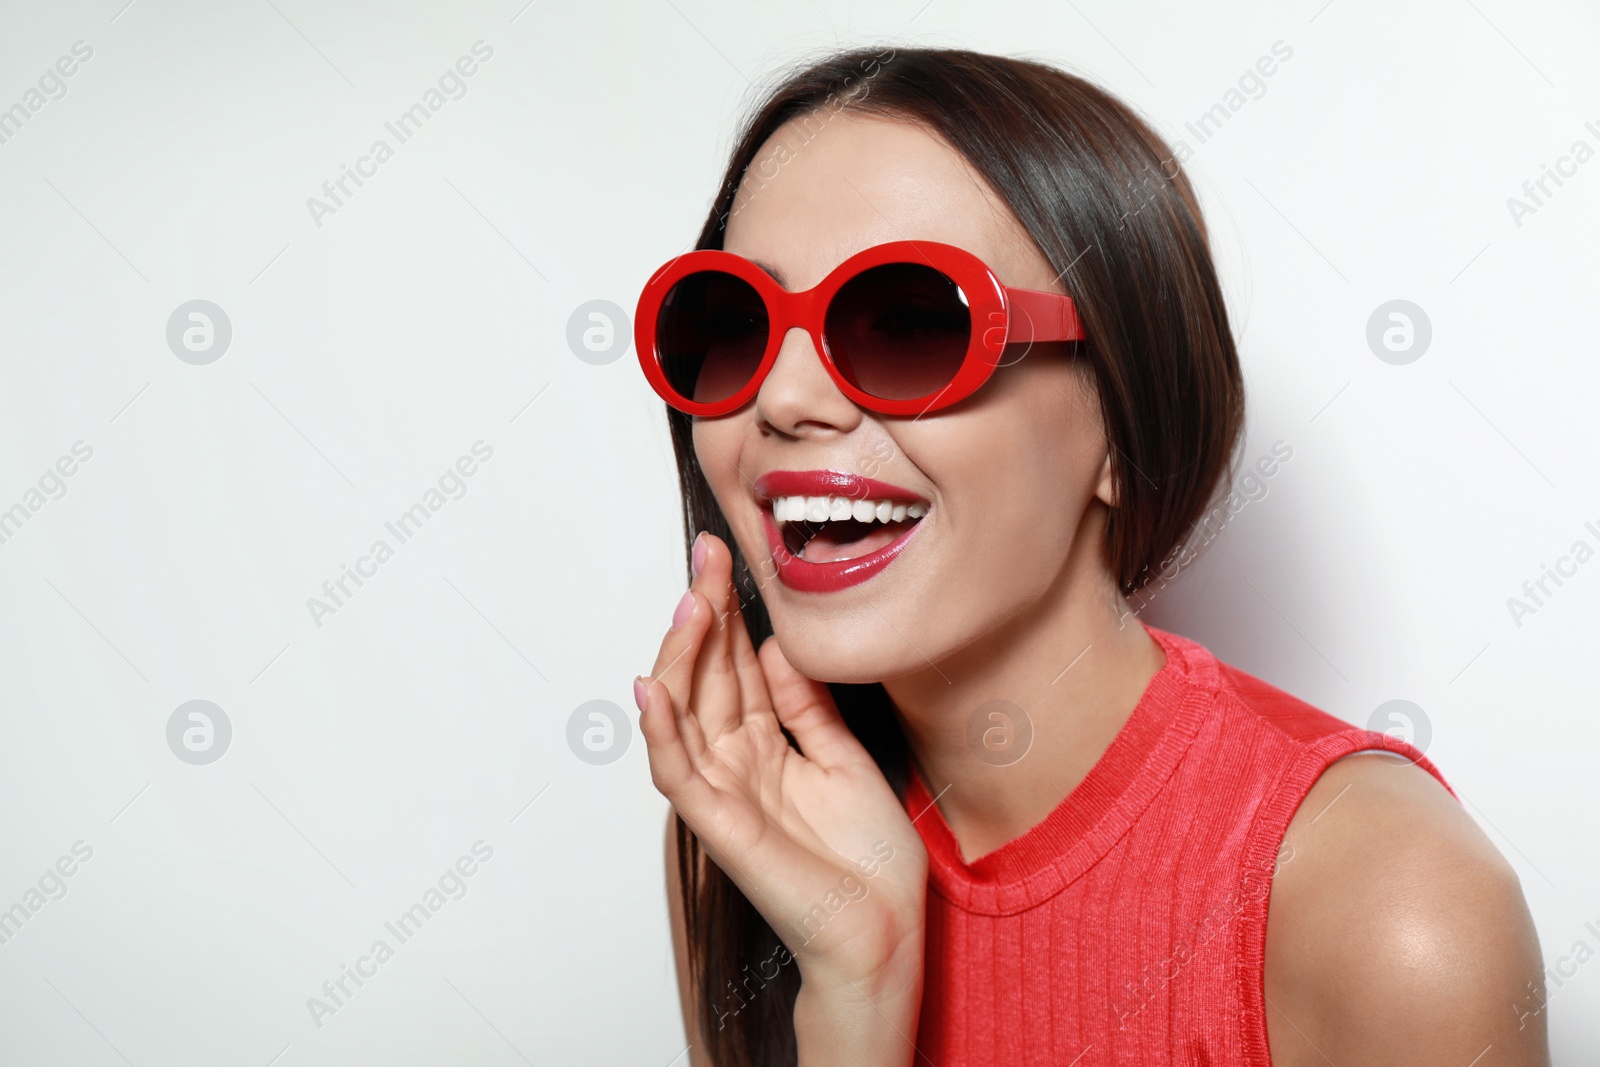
826	186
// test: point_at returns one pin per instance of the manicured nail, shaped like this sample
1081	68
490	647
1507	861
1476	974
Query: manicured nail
684	609
639	693
698	560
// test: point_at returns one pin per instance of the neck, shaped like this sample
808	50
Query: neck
1071	668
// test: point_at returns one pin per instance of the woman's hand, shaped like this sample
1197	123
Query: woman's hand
818	842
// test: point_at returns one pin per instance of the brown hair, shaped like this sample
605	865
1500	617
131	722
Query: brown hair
1103	198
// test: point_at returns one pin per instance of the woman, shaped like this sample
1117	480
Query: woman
1004	820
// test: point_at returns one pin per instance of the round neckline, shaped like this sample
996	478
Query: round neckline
1090	819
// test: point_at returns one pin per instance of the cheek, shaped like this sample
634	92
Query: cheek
1016	478
717	444
1058	437
716	447
1022	523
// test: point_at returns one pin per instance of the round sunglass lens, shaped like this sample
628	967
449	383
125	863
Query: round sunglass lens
899	331
711	333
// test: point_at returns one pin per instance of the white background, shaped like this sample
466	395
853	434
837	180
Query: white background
368	353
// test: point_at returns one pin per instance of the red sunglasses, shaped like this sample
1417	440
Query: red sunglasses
903	328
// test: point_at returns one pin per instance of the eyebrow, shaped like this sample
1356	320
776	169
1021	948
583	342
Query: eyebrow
772	271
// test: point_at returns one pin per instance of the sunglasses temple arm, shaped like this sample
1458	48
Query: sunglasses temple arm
1039	316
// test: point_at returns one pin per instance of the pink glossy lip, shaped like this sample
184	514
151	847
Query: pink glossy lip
804	576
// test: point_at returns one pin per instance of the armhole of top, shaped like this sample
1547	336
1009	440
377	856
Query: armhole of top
1270	825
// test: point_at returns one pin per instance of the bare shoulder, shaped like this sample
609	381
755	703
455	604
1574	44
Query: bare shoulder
1396	932
680	950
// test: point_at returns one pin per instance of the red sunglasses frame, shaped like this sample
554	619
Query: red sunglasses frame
1013	315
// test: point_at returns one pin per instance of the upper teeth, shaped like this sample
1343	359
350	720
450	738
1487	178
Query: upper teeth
832	508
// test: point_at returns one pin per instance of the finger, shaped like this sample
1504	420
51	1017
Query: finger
671	768
807	710
717	698
694	798
674	666
754	699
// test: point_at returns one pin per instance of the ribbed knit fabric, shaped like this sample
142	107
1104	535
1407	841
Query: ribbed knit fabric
1129	927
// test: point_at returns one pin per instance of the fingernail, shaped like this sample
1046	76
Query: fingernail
699	558
684	609
639	692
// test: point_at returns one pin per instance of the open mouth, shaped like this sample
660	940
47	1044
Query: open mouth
828	529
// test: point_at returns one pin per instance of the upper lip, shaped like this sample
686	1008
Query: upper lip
829	483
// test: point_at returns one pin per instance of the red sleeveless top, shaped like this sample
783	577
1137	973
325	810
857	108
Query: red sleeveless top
1129	927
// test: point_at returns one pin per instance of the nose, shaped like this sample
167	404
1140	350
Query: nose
798	397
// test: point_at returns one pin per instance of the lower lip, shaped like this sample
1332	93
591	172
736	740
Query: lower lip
803	576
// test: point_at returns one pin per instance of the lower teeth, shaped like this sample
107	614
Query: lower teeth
806	540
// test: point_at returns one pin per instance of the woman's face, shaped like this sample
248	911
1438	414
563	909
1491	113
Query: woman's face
1015	476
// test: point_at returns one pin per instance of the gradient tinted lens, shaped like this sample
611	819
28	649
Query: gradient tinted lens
899	331
711	332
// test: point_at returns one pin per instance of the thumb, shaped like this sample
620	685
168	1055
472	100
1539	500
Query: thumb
807	710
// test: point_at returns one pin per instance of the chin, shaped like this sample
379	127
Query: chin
828	652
